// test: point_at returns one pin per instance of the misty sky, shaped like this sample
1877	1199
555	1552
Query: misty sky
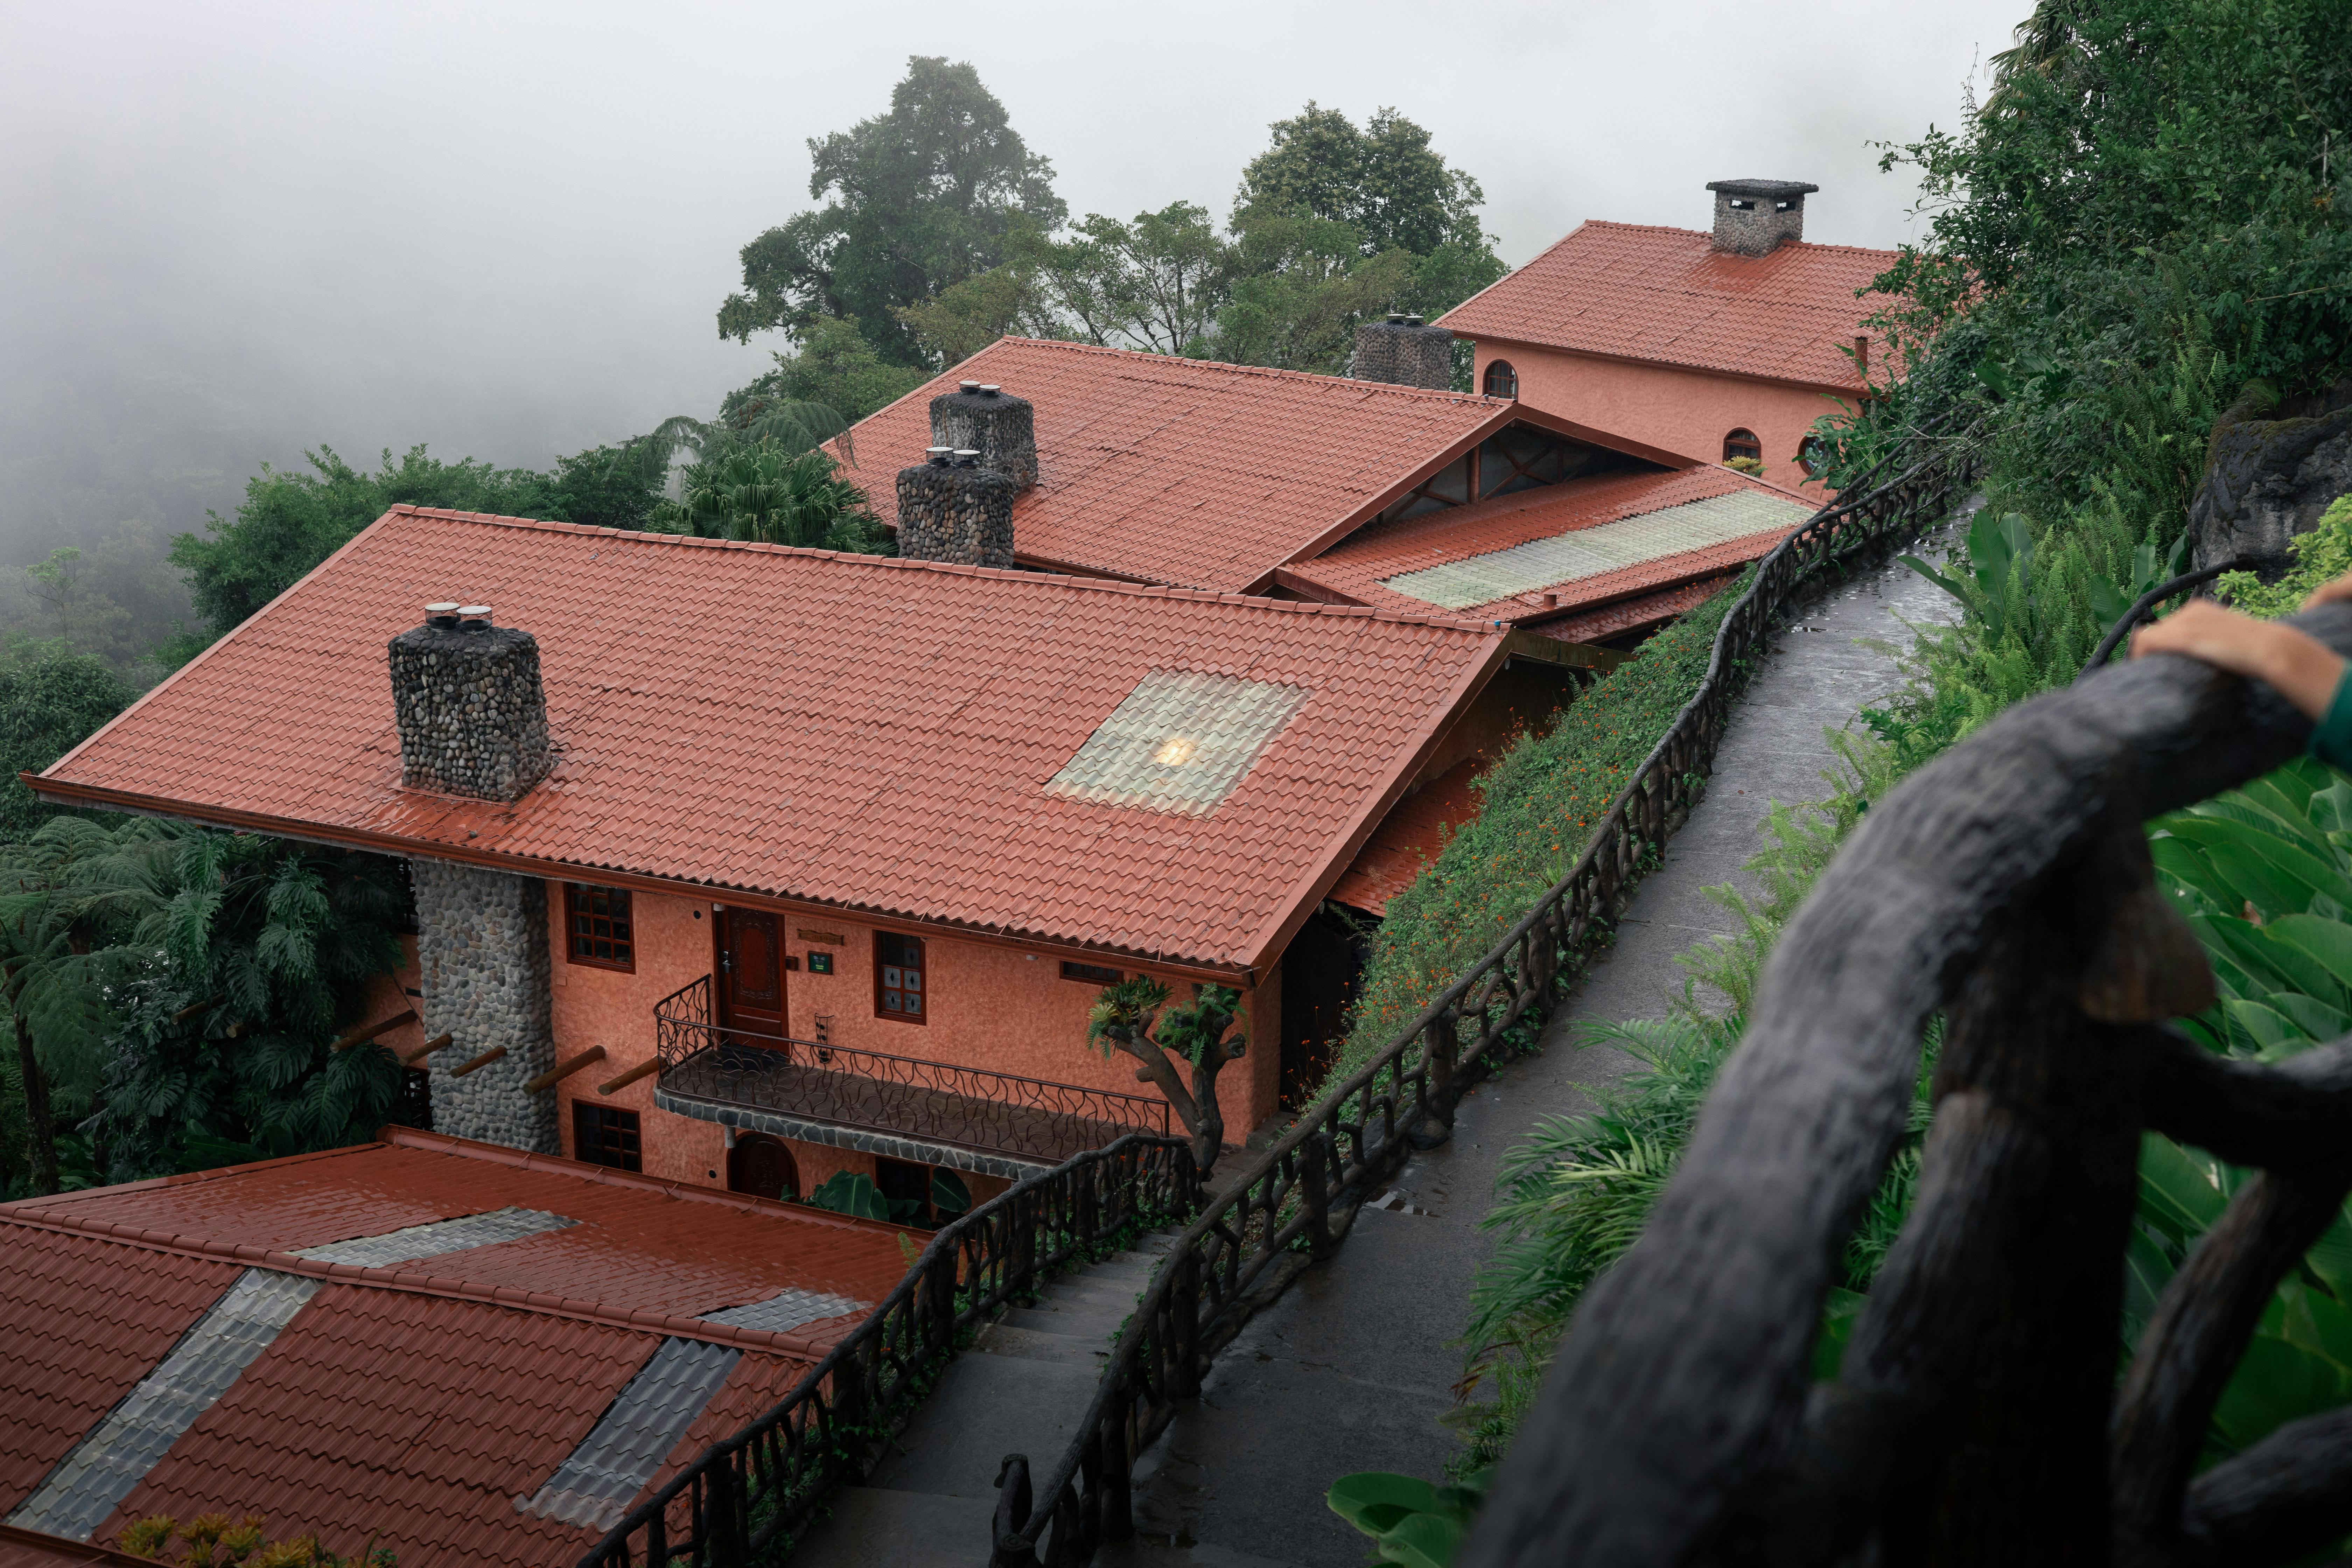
229	232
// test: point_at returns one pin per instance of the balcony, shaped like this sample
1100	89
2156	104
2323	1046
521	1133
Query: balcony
899	1106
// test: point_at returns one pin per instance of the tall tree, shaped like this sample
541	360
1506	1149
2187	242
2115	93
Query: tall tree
922	198
832	365
1390	186
1302	283
50	701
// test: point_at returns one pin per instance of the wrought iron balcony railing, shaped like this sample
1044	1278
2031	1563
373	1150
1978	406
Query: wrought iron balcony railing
902	1097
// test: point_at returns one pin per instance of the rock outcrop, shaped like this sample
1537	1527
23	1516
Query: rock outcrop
2272	470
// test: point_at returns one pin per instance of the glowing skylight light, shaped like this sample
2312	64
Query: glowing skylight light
1181	742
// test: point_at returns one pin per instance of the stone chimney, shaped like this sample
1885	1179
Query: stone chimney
951	507
1404	353
985	419
466	697
472	718
1753	217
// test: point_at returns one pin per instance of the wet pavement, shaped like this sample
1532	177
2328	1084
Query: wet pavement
1353	1367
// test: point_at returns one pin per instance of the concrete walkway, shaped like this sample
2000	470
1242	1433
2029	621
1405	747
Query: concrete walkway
1020	1389
1352	1368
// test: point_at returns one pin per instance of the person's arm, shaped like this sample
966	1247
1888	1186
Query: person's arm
2298	665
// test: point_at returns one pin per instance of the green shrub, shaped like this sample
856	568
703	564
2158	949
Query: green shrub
2320	556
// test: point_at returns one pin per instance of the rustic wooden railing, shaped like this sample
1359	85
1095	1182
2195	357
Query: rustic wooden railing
746	1499
1297	1202
1975	1418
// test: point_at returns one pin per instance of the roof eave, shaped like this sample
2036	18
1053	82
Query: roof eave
65	792
1836	389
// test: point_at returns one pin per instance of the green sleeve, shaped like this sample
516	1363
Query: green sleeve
2331	741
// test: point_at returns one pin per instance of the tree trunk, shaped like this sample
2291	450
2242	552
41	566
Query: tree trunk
40	1126
1197	1108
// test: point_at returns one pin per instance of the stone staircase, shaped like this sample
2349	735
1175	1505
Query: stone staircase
1022	1388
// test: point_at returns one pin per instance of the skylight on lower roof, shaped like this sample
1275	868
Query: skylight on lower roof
595	1483
785	1310
90	1481
1592	551
1181	742
461	1235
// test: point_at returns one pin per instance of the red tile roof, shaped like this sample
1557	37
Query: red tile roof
404	1403
839	732
643	1245
1355	570
1667	295
1413	836
82	1325
21	1548
1188	472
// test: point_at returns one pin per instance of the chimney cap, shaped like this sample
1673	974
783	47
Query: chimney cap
1396	318
1413	320
990	388
1767	190
967	457
967	386
442	609
939	456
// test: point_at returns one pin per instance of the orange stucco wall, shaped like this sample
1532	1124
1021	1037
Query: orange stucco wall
1685	411
996	1007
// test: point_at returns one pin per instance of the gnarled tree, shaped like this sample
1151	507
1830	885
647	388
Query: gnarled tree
1209	1031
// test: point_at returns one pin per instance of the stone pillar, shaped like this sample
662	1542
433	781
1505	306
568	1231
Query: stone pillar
1401	351
481	946
950	508
986	419
472	717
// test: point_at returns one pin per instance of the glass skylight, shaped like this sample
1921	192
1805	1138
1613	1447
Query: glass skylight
1181	742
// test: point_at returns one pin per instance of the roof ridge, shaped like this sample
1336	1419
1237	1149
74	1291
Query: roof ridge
1050	579
1709	236
1275	372
414	1284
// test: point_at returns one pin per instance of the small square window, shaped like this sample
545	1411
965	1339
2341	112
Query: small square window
820	963
1092	973
899	988
598	930
605	1135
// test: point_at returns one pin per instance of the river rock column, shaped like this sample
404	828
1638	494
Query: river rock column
472	716
951	509
481	944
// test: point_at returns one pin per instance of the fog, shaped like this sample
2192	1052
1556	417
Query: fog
231	232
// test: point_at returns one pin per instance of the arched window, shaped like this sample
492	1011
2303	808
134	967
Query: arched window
1742	443
1502	381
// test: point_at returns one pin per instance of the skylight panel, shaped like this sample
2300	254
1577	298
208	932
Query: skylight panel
786	1311
1592	551
593	1484
460	1235
91	1480
1181	742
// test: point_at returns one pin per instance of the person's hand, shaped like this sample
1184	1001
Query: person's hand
2330	593
2303	669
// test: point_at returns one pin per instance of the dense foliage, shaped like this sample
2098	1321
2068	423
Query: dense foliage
50	701
175	991
289	523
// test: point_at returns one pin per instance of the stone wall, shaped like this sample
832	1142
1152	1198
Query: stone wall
1752	217
482	946
471	711
959	514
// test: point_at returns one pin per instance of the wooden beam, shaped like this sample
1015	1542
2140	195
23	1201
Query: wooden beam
643	1070
193	1009
564	1069
485	1060
427	1050
361	1037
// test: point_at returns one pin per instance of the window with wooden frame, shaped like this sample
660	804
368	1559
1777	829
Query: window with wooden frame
901	988
1743	443
605	1135
1092	973
597	927
1502	381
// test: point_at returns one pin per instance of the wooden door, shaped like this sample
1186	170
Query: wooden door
762	1166
751	978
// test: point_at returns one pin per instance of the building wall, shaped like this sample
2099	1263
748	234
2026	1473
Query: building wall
998	1008
1685	411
